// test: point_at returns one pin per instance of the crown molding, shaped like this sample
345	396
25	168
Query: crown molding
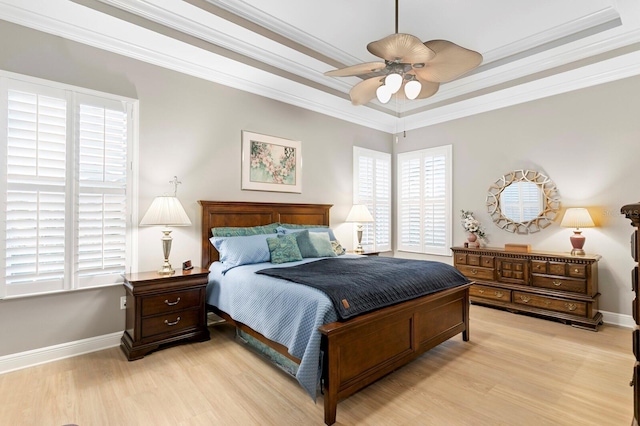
88	26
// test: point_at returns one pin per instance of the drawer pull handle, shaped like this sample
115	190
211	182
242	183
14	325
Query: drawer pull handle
538	266
525	299
547	302
172	303
499	294
571	306
481	291
576	270
172	323
474	271
557	283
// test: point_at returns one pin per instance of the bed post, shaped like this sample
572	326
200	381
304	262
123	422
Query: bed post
467	302
330	382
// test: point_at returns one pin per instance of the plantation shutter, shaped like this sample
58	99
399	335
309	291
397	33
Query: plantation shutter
372	187
65	188
102	192
424	201
36	205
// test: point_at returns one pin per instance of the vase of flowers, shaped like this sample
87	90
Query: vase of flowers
473	228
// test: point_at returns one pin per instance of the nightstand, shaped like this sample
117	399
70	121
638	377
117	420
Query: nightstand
164	309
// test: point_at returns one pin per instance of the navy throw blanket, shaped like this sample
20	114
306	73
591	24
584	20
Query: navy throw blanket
359	285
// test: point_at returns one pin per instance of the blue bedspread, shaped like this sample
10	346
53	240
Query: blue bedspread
287	313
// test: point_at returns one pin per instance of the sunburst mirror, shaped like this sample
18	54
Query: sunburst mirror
523	201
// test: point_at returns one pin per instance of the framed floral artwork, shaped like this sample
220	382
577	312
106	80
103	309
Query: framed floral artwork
270	163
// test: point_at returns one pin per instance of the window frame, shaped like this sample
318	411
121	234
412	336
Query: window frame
74	96
423	247
374	205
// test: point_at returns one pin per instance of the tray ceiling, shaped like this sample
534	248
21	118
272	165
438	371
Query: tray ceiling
281	48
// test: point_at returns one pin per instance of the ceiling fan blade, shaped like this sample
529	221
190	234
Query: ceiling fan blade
364	91
451	61
359	69
403	48
429	88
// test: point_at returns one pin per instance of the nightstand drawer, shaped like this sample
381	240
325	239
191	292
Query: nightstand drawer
478	273
169	302
564	284
170	323
567	306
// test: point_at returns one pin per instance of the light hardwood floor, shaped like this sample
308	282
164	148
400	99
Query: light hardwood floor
516	370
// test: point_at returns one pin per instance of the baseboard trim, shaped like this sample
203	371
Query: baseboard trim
39	356
618	319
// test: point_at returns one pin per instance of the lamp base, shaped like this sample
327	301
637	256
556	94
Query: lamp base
359	250
166	269
577	242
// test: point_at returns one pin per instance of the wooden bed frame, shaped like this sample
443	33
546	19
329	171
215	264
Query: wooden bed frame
363	349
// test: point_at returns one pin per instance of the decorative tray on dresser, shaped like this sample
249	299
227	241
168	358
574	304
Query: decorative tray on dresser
552	285
632	212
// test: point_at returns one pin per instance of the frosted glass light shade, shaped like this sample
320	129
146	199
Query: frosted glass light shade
412	89
383	94
394	82
166	210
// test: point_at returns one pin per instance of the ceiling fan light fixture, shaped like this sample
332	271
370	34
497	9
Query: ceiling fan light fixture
412	89
393	82
383	94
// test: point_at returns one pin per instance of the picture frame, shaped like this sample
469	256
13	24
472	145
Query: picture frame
271	163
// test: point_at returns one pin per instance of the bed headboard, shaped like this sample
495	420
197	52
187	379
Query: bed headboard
233	213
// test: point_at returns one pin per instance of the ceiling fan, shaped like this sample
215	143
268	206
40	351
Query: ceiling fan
415	67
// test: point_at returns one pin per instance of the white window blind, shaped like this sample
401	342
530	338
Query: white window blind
424	201
65	188
372	187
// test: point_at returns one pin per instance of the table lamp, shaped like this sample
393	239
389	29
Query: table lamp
359	214
577	218
166	210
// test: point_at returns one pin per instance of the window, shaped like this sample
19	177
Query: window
67	186
424	201
372	187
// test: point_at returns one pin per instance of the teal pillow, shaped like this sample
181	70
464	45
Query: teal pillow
322	244
240	231
284	249
304	243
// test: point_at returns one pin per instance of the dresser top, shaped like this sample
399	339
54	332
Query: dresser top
532	254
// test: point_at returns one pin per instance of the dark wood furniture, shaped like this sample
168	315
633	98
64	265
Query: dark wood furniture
361	350
164	309
552	285
632	212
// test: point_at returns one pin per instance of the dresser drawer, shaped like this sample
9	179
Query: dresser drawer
476	272
169	323
461	259
538	267
490	293
564	284
577	271
170	302
558	305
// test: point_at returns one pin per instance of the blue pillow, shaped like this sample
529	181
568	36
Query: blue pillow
240	231
304	243
283	230
322	244
236	251
283	249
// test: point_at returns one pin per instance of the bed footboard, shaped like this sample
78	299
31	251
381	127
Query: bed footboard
366	348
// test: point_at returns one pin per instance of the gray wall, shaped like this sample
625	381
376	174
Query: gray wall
587	142
190	128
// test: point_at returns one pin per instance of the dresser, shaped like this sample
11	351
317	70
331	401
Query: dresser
632	212
163	309
551	285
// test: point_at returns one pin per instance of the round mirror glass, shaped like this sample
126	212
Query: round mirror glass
523	201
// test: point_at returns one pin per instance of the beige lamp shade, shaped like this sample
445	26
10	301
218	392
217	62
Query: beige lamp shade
359	213
166	210
577	218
